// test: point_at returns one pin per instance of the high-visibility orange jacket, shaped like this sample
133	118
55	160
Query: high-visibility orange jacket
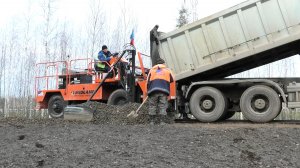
159	79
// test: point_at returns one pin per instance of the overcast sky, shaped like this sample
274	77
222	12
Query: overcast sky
147	12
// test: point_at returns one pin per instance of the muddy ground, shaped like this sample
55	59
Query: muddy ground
54	143
114	140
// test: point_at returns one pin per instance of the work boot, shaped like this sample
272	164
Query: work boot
163	120
152	119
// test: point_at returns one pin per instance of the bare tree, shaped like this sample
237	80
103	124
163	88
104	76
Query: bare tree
124	20
2	72
49	26
95	26
64	42
80	47
11	57
114	40
129	22
194	9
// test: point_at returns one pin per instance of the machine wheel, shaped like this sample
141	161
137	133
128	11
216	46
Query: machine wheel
208	104
56	106
260	104
118	97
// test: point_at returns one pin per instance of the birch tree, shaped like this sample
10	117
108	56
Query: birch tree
48	27
95	27
127	23
194	9
2	72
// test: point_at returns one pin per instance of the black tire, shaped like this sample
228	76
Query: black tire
208	104
260	104
56	106
118	97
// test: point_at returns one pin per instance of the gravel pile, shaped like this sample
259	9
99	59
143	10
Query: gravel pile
108	114
103	114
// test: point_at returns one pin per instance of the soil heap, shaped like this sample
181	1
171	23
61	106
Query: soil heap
108	114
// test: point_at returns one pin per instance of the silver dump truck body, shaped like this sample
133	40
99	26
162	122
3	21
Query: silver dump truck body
250	34
202	54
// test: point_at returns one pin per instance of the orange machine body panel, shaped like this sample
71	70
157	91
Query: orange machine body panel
78	85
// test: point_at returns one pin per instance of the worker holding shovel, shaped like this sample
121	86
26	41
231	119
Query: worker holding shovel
158	84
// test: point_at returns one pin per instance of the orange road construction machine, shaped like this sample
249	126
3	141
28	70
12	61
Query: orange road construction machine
64	87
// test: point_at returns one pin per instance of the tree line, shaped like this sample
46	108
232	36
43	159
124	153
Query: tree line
44	37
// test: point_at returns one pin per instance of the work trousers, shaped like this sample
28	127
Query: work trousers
158	103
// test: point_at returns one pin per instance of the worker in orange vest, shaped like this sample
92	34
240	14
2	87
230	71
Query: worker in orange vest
158	85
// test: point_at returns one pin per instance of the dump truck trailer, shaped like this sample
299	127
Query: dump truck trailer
202	54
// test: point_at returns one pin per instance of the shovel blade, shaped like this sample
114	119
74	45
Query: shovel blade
135	115
132	114
78	113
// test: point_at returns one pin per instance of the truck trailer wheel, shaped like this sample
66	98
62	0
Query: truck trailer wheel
260	104
56	106
118	97
208	104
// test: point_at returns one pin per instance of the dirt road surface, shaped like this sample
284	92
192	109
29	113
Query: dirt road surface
48	143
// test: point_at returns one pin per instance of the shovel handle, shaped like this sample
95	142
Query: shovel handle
141	105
